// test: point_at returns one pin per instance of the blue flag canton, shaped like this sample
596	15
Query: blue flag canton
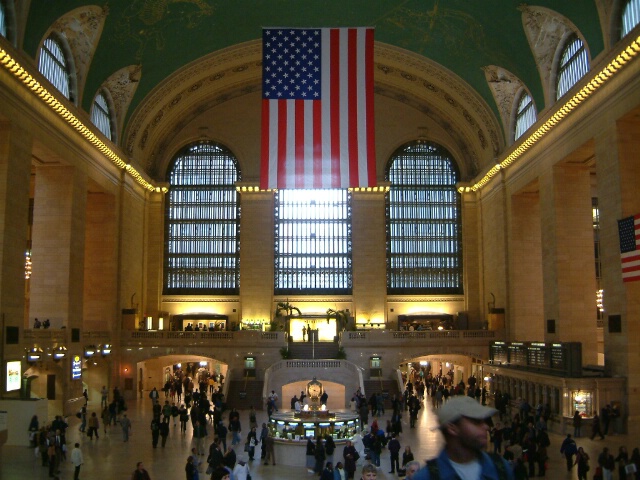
291	64
627	231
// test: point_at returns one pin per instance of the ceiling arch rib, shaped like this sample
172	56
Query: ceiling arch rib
505	86
82	29
401	75
546	31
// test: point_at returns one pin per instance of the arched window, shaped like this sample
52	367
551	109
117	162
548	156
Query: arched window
3	20
630	16
525	114
101	115
202	222
313	242
574	64
424	232
54	66
8	20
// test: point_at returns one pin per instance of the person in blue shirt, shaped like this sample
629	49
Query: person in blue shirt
464	423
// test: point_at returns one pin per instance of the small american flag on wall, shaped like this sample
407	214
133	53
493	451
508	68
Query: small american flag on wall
317	108
629	230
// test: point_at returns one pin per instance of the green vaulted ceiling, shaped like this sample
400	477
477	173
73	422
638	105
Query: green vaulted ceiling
461	35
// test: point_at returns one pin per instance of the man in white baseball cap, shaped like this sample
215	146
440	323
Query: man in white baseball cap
465	425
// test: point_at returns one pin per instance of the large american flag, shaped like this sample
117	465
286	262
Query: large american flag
629	230
317	108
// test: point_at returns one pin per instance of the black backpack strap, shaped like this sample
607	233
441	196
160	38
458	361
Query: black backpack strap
434	472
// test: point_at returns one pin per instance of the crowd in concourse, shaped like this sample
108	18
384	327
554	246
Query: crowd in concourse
517	434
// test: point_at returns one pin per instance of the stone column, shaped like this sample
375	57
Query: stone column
525	285
59	214
15	171
475	306
368	253
256	255
57	282
618	173
568	260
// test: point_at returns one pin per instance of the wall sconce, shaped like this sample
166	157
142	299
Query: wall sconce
59	352
89	351
126	370
34	354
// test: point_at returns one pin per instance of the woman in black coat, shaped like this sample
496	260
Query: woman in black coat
350	455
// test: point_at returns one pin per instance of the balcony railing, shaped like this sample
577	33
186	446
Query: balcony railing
392	337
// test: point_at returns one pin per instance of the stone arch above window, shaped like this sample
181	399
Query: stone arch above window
547	32
81	28
506	89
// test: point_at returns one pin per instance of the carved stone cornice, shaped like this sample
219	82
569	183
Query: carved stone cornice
236	71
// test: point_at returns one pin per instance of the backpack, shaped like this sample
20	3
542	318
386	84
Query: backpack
434	472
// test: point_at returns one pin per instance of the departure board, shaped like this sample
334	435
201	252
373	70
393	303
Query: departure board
537	354
499	354
518	354
558	356
564	359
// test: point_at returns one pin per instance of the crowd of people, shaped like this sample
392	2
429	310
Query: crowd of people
509	441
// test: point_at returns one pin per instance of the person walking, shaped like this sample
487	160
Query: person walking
270	450
199	433
607	463
77	460
93	425
164	431
582	461
104	394
569	449
394	451
125	424
350	456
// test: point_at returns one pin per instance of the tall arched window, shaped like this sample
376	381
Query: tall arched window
574	64
53	64
630	17
525	114
202	222
8	20
101	115
424	231
313	242
3	19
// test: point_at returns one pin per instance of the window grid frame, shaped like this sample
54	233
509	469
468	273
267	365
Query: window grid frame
630	17
54	65
313	242
4	27
101	115
526	114
574	64
427	202
202	222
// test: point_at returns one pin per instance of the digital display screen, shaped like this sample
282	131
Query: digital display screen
14	374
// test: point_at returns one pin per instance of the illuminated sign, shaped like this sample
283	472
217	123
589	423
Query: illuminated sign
14	374
76	368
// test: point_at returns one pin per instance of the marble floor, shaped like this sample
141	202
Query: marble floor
110	457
